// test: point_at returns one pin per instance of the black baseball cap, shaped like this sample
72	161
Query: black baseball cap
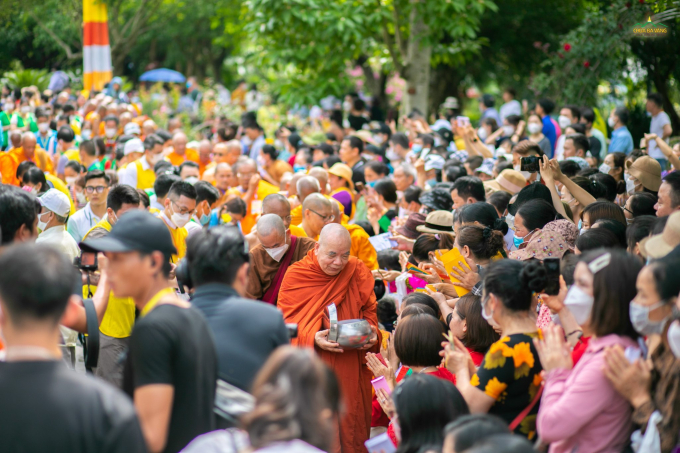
382	129
135	231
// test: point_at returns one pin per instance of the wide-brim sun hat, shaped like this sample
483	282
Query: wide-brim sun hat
438	222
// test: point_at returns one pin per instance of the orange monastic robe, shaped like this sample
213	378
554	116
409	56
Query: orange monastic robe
305	292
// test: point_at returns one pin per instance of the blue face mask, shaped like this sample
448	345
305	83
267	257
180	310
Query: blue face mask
517	241
580	223
297	168
417	148
205	219
432	182
371	184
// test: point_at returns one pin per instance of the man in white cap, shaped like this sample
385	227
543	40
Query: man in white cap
52	223
132	129
133	150
139	171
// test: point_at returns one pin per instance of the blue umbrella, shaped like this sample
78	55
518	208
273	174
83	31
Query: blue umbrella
162	75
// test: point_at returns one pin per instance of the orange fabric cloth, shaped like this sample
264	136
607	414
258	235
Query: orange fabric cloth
9	162
177	160
305	292
254	209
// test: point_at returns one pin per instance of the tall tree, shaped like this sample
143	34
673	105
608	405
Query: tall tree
316	40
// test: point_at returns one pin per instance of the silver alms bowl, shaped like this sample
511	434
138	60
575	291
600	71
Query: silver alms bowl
349	334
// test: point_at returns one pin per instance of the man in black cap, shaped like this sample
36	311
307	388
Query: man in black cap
171	367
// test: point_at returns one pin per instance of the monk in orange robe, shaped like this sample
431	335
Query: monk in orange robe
361	245
254	191
29	150
329	275
180	153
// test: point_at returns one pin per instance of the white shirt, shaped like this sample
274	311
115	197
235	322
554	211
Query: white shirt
656	127
559	147
193	228
153	203
60	239
510	108
81	222
128	175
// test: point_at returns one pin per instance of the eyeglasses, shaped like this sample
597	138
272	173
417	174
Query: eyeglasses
181	209
328	218
98	189
628	210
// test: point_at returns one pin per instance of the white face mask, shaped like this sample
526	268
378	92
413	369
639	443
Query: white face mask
563	121
260	162
42	225
43	127
392	155
639	317
80	196
70	180
604	168
674	338
277	252
25	108
508	131
8	107
611	122
482	133
110	132
526	174
179	219
86	134
534	128
378	139
579	303
630	186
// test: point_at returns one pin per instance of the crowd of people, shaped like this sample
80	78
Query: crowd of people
412	286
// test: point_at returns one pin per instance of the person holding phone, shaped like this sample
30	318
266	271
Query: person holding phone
580	407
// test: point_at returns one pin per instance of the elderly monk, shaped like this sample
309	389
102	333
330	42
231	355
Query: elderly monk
223	176
317	212
180	153
361	246
205	149
328	274
279	205
29	150
225	152
305	186
254	190
270	260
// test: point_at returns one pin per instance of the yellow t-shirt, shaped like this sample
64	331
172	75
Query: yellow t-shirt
145	178
179	240
119	317
72	154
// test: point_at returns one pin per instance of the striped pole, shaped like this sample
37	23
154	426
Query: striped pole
96	49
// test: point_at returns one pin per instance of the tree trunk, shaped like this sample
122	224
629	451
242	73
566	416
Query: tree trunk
417	72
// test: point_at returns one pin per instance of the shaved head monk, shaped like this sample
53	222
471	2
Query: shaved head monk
328	274
305	186
320	175
254	190
270	259
180	153
361	246
29	150
317	212
279	205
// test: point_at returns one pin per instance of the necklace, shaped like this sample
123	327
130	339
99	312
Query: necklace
28	352
426	368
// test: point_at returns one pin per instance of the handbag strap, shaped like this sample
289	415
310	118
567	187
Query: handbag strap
272	293
522	415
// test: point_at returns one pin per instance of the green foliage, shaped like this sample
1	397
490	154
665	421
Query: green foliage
596	51
311	43
20	77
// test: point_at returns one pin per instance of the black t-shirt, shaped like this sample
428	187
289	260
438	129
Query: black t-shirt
46	407
357	122
172	345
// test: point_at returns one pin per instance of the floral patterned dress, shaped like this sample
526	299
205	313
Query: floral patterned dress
511	375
